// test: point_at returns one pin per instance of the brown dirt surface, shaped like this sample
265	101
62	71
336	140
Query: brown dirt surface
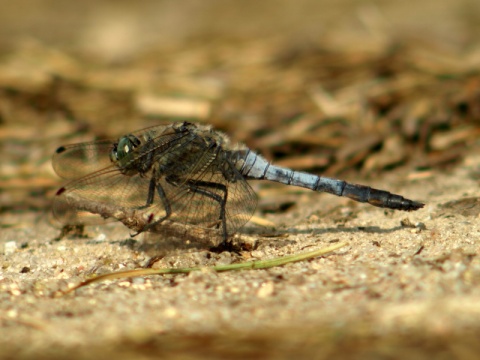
382	93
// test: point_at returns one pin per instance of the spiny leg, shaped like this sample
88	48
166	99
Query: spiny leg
196	186
151	193
150	197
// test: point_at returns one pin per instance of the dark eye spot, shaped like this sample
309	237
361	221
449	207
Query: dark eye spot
60	149
60	191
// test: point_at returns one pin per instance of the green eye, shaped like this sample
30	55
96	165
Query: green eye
125	146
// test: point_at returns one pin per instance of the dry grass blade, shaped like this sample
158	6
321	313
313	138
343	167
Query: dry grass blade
249	265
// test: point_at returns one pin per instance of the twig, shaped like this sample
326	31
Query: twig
137	220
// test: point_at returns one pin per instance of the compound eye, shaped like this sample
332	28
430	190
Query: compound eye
126	145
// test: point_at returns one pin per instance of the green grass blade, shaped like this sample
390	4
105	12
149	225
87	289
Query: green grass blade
249	265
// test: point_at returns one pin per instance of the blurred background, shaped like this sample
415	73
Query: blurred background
348	88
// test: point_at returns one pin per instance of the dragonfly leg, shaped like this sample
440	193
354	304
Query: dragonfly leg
151	194
163	198
201	187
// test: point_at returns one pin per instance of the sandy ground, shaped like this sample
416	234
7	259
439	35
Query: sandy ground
407	285
417	287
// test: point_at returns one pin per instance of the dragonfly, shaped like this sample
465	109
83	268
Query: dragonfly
183	173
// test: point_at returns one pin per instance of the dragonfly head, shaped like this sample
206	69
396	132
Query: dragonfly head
123	147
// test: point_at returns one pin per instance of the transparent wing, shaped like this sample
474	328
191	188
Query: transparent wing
198	199
77	160
95	178
105	187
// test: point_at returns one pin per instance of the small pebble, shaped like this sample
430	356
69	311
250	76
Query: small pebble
100	237
10	247
266	290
